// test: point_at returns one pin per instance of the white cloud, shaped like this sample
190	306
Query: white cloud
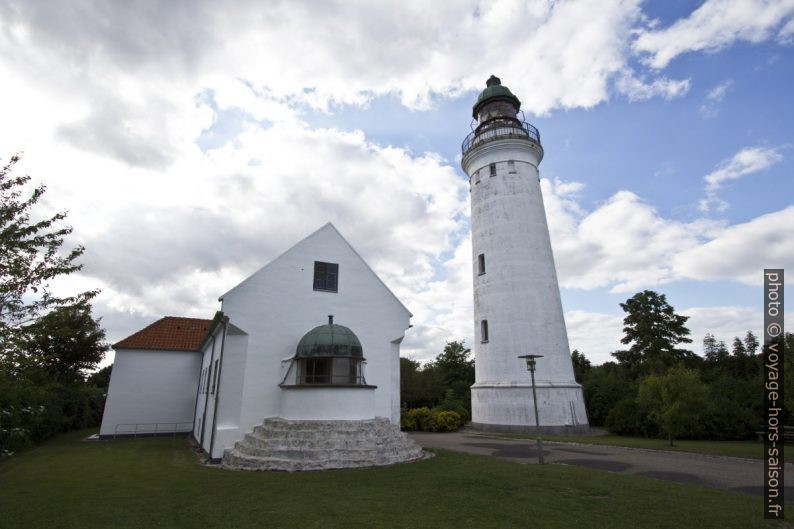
710	107
594	334
747	161
741	252
639	90
713	26
623	244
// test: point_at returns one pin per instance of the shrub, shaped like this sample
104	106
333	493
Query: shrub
426	420
628	418
446	421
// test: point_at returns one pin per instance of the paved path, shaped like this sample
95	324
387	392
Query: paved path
741	475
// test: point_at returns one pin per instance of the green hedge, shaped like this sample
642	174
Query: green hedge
31	413
426	420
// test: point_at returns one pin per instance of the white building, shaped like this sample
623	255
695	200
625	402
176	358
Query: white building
517	307
272	353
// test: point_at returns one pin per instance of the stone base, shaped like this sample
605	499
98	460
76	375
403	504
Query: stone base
510	408
280	444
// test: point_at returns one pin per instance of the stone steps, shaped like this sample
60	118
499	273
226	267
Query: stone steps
279	444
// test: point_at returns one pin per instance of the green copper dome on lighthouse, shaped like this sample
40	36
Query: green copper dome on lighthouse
494	91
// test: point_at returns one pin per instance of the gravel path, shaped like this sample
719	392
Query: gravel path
731	473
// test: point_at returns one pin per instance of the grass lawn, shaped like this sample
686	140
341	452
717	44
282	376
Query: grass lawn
146	483
747	449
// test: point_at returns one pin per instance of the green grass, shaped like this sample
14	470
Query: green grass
148	483
746	449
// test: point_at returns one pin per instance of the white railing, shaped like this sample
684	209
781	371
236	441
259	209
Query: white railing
152	428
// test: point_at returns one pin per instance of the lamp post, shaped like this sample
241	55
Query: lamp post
531	368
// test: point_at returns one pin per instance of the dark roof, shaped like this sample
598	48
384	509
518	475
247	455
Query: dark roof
170	334
329	340
494	91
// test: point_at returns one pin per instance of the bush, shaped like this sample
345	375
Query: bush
30	413
452	403
426	420
446	421
628	418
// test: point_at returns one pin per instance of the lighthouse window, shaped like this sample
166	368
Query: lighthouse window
511	166
481	263
325	276
492	168
484	331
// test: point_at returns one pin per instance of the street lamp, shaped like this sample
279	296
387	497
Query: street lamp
531	368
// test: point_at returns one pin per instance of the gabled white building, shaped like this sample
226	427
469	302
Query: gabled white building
311	340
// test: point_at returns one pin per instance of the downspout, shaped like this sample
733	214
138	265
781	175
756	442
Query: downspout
207	395
198	392
225	322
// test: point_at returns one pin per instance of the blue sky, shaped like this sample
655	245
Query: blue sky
667	129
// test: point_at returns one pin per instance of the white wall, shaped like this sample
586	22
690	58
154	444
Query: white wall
151	387
518	295
277	305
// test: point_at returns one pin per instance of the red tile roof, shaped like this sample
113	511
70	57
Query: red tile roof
169	334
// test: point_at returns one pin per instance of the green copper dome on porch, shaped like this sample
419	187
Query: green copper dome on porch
329	340
494	91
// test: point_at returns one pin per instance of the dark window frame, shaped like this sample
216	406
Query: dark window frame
326	277
214	378
492	169
483	331
481	264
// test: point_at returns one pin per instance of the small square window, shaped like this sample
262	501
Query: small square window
326	276
492	169
481	264
484	331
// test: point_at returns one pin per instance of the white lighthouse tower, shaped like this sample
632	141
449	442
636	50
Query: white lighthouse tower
517	307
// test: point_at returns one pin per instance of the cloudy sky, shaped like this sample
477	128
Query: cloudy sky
192	142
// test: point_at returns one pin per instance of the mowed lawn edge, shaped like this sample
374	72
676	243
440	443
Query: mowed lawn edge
743	449
158	482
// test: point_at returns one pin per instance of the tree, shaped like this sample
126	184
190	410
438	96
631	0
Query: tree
675	401
101	378
738	347
751	343
713	350
30	256
653	329
581	365
455	371
64	345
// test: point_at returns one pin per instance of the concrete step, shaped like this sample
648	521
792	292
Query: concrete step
279	444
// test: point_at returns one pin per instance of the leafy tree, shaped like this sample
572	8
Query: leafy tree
713	350
101	378
738	347
675	401
455	370
444	383
415	391
30	256
751	343
603	387
653	329
63	344
581	365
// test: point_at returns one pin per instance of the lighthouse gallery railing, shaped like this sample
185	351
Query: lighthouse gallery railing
499	131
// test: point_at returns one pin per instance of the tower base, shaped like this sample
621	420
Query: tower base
509	408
